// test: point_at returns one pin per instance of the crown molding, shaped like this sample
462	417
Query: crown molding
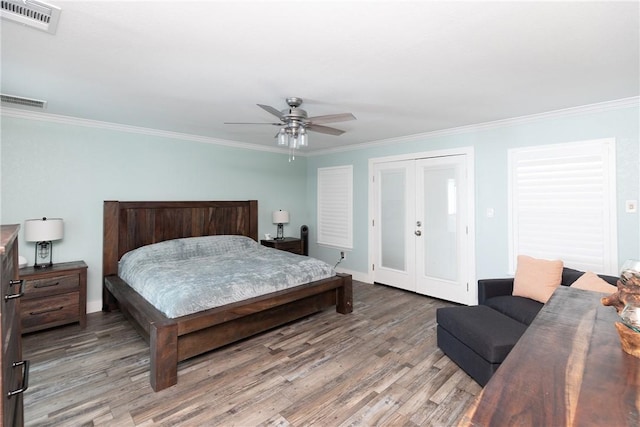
96	124
617	104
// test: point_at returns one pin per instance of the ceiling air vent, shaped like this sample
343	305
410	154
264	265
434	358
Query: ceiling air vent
23	102
31	13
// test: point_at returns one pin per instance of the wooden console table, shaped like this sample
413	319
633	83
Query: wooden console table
568	369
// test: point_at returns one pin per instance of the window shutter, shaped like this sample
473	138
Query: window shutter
562	204
335	206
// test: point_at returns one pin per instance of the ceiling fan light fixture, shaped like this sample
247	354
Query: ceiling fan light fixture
283	139
294	123
303	138
294	136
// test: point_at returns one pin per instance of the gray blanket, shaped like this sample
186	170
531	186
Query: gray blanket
184	276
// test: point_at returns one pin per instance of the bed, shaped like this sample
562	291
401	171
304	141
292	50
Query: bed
131	225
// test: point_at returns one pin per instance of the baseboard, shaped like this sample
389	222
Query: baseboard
94	306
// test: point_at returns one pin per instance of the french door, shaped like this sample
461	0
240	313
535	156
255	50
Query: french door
421	226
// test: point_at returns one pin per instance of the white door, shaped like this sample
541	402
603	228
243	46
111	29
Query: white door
395	211
420	226
441	237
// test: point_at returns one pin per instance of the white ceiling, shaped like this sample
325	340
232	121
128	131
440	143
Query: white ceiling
401	68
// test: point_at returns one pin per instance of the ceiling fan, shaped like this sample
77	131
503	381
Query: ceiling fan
294	123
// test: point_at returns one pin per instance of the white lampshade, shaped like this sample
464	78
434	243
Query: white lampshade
280	217
43	230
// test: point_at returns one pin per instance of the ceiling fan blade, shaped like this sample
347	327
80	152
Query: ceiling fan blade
325	129
271	110
249	123
329	118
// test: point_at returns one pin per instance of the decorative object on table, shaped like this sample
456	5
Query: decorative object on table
43	232
280	217
304	236
626	301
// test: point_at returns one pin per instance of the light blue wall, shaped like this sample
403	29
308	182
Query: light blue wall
68	171
490	148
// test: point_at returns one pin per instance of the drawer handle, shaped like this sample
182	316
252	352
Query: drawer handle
49	310
25	378
20	290
45	285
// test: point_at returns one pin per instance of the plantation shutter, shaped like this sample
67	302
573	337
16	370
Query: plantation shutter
563	204
335	206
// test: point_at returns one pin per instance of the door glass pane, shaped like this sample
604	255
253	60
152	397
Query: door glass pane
392	215
440	223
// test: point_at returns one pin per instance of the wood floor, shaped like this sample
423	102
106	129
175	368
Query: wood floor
377	366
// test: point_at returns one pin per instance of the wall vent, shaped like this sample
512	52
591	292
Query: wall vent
31	13
23	102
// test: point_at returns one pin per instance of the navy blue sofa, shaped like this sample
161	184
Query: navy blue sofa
479	338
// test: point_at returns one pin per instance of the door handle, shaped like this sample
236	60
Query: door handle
418	233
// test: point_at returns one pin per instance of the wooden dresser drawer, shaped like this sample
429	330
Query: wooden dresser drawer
50	311
51	285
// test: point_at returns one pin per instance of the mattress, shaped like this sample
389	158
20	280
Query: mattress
185	276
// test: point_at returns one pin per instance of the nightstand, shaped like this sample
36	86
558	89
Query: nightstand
54	296
289	244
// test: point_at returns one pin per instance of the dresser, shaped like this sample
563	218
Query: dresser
54	296
14	372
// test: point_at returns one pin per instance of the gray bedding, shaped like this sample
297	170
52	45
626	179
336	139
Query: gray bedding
184	276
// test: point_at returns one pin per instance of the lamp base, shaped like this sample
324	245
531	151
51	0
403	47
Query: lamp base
46	248
280	235
43	266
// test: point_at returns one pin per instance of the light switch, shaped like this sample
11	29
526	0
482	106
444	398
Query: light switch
490	212
631	206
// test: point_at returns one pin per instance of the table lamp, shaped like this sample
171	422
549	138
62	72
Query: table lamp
43	232
280	217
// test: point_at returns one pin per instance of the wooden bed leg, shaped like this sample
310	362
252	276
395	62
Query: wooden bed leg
109	303
163	344
344	302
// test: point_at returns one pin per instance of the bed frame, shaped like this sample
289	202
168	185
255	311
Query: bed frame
129	225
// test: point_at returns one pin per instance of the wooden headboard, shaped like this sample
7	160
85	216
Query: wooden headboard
129	225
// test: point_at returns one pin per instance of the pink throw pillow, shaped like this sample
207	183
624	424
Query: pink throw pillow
591	282
537	278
